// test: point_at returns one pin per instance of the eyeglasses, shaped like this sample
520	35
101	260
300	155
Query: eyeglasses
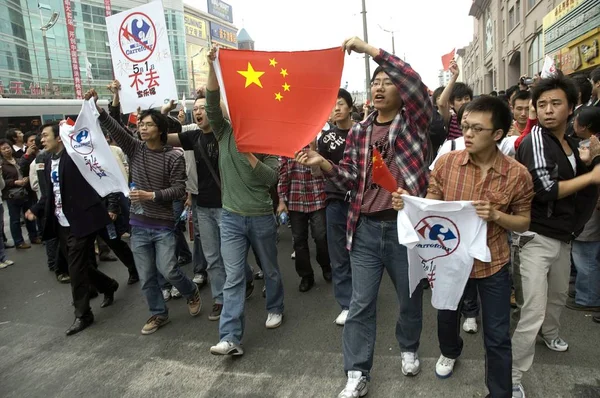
148	125
382	83
199	108
474	129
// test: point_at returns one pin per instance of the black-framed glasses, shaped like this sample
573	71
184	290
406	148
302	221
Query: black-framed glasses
474	129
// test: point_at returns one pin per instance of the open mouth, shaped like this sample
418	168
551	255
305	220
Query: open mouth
379	97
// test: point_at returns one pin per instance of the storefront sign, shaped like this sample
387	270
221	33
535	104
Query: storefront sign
579	55
195	27
221	10
223	35
569	21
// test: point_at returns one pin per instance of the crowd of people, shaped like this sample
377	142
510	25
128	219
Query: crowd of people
527	159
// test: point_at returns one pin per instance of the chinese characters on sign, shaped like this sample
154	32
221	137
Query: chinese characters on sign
73	49
223	35
220	10
195	27
141	57
94	166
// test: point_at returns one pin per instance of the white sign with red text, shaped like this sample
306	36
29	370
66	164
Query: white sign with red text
141	57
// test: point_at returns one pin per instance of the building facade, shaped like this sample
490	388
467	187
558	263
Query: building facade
76	54
202	29
507	42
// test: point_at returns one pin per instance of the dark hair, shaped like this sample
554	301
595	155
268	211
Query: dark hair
512	89
436	93
4	141
555	83
504	98
161	121
377	71
200	95
29	134
356	117
501	92
460	90
459	114
595	75
55	127
589	117
501	115
585	88
174	125
521	95
345	95
11	135
494	93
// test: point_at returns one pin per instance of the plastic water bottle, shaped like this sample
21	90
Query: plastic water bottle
184	215
136	207
283	218
112	232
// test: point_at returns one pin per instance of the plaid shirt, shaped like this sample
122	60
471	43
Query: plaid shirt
507	185
299	188
408	136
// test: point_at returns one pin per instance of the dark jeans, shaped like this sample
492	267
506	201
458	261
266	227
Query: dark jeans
182	249
83	274
470	300
337	214
56	259
16	207
494	292
120	248
2	253
300	224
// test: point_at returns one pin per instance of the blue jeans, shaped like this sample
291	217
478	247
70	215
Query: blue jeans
237	233
494	292
182	249
376	248
337	214
586	257
198	258
210	235
2	252
154	253
16	207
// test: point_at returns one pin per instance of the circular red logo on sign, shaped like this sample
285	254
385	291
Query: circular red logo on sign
137	37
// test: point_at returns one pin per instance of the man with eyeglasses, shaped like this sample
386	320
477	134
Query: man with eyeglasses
398	129
501	190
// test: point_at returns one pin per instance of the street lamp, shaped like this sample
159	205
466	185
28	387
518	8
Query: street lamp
392	32
193	71
44	28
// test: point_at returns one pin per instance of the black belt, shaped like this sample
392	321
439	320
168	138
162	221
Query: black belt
384	215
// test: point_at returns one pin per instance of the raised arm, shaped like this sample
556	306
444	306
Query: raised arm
444	102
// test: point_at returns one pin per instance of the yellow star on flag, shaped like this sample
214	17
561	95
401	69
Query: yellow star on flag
286	87
278	97
284	72
272	62
251	76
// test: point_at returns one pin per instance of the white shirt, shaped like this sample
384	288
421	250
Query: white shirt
58	209
573	162
506	146
443	239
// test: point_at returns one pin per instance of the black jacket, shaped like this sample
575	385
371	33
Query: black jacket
83	207
544	157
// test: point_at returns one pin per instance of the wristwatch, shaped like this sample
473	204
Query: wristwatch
154	196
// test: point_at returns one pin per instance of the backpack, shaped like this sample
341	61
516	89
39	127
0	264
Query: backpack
437	135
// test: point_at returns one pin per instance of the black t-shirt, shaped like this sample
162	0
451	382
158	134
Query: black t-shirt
331	146
209	194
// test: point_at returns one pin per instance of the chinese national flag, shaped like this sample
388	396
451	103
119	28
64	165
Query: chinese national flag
278	101
132	119
382	176
446	59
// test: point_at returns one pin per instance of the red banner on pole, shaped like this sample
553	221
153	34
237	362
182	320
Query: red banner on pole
73	49
107	8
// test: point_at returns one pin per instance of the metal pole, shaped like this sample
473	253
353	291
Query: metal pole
366	38
393	44
50	82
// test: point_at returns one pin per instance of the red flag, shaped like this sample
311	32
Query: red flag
382	176
279	101
70	122
446	59
132	119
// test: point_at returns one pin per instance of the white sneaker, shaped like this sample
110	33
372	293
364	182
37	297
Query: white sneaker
175	293
273	321
3	265
444	367
470	325
227	348
341	319
356	386
558	345
166	294
199	279
518	391
293	256
411	366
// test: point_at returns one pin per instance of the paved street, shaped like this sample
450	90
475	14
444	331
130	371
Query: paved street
300	359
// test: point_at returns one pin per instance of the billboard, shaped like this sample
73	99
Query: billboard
570	20
220	10
195	26
223	35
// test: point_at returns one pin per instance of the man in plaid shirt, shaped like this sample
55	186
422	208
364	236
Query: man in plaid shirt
398	129
302	195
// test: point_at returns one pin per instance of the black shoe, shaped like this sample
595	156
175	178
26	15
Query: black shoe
109	297
306	284
106	257
133	278
80	324
572	294
249	289
184	260
571	304
327	275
